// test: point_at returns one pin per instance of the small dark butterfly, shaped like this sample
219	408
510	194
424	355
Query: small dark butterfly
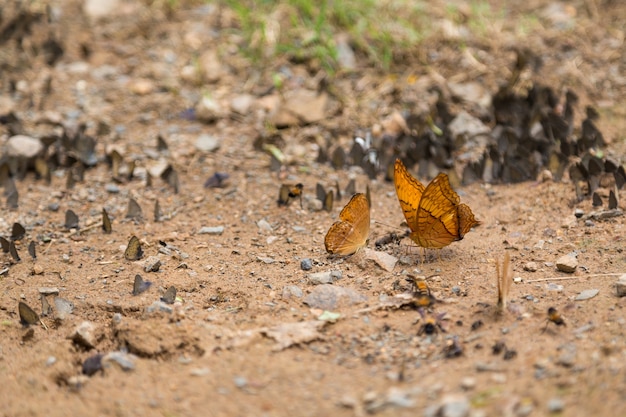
320	192
140	285
368	195
27	314
106	222
612	200
13	252
133	251
620	177
157	211
170	295
70	181
351	188
328	200
5	244
134	210
161	144
10	190
17	232
148	180
31	249
116	163
92	364
171	177
71	220
216	180
597	200
339	158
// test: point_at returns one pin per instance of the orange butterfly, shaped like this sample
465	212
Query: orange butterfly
350	233
434	214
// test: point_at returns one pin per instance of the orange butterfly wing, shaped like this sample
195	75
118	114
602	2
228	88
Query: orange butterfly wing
350	233
409	192
434	214
438	223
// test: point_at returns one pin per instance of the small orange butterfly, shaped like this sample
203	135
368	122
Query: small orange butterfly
350	233
434	214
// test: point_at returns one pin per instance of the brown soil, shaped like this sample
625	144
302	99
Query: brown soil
225	350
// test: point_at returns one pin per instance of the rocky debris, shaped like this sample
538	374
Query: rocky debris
531	266
152	264
330	297
292	291
207	143
567	263
22	146
382	259
84	335
325	277
306	264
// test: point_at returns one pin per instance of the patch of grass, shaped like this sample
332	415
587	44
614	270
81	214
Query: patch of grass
307	30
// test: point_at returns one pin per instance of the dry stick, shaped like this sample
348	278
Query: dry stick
575	277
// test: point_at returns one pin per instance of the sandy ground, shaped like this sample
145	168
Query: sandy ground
239	340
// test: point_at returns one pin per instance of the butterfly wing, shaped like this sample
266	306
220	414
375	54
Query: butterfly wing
466	220
349	234
438	223
409	192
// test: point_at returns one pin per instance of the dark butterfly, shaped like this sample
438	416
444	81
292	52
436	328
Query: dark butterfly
161	144
133	251
216	180
171	177
31	249
106	222
351	188
92	364
140	285
17	232
326	197
27	314
170	295
612	200
134	210
10	190
71	220
13	252
5	244
157	212
597	200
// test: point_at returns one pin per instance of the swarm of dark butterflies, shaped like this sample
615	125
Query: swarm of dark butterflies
530	130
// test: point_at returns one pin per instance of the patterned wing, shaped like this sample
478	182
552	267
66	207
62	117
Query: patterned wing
466	220
350	233
438	223
409	192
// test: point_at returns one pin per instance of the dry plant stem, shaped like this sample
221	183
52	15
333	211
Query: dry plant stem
610	274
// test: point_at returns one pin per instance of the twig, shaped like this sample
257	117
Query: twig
575	277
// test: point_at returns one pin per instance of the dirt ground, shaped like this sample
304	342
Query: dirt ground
239	339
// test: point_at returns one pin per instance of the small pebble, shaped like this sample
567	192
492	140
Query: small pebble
159	306
567	263
264	225
468	383
456	290
292	291
84	335
306	264
240	381
49	290
587	294
620	286
206	230
54	206
530	266
589	223
51	361
454	405
124	360
112	188
579	213
325	277
152	264
555	405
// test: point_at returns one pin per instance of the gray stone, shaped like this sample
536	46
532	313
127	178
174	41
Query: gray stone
208	143
63	308
23	146
242	103
325	277
530	266
454	405
84	335
264	225
206	230
567	263
49	290
125	361
587	294
329	297
152	264
292	291
306	264
555	405
159	306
